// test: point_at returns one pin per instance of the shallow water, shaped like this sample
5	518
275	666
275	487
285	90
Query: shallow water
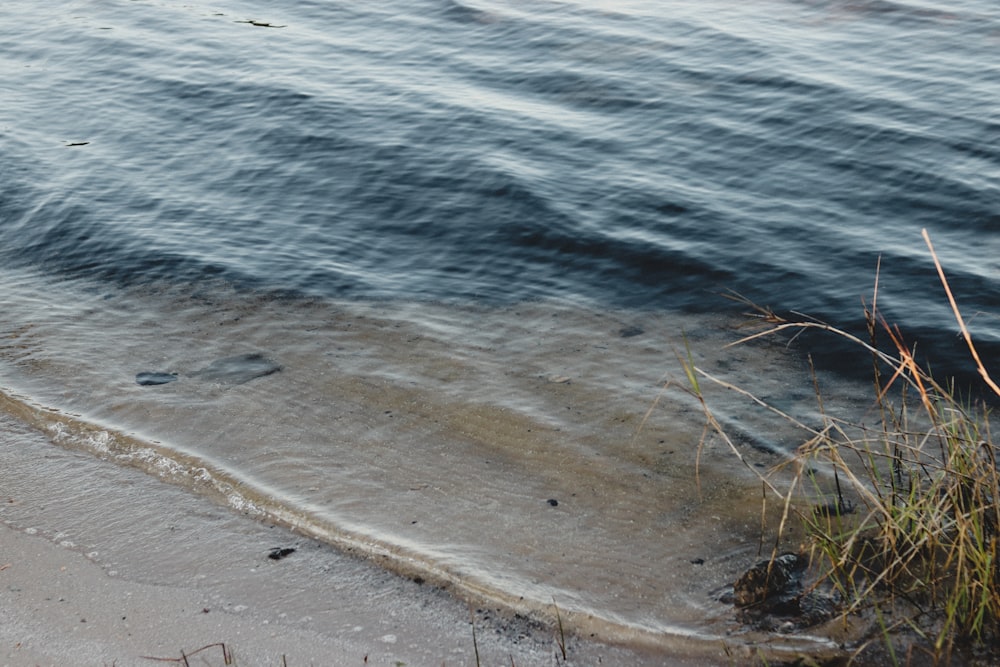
475	236
519	455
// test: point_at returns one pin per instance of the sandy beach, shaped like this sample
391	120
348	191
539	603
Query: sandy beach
59	608
133	569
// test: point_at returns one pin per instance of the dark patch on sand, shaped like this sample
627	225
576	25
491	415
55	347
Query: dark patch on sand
631	331
239	369
150	378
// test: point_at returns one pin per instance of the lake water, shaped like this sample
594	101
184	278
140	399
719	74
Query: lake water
471	238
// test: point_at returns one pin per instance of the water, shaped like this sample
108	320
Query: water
472	234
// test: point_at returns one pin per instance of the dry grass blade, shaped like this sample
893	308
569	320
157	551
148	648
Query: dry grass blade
561	639
958	316
475	642
226	655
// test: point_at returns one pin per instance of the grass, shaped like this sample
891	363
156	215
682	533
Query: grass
906	530
561	639
220	648
227	656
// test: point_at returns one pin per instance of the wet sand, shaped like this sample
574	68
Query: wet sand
73	592
62	609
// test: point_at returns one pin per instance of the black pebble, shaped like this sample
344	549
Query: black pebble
698	561
553	502
280	552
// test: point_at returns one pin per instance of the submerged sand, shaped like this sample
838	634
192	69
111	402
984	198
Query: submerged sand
516	457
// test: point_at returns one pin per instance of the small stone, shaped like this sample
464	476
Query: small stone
280	552
770	581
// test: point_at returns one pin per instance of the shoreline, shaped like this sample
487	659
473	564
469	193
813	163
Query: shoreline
188	574
431	440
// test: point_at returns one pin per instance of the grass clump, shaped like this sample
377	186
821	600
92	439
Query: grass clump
906	526
921	534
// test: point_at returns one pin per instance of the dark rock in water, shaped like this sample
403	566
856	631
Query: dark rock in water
773	596
767	581
238	369
154	377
